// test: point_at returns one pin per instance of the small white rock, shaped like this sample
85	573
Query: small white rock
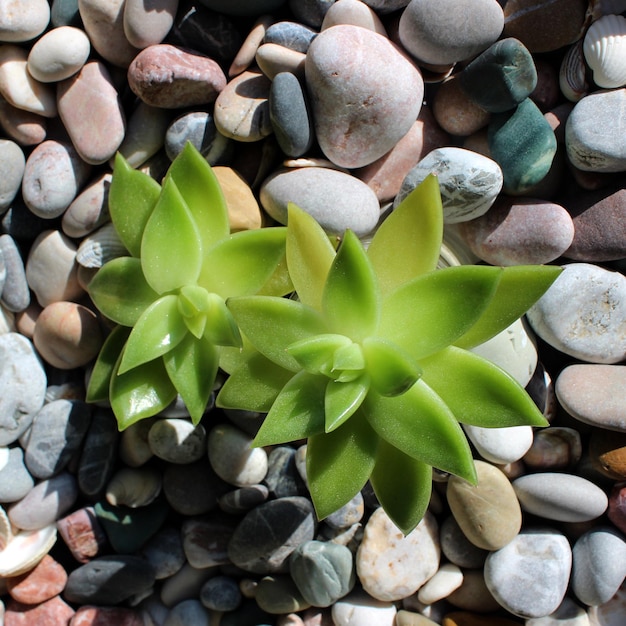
448	578
359	609
500	445
22	20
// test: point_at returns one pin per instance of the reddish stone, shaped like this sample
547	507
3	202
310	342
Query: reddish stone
53	612
106	616
42	583
617	506
82	534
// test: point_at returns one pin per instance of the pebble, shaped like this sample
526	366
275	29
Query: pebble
554	448
278	594
387	87
592	136
12	163
184	585
233	458
335	199
14	294
529	576
469	182
242	108
186	613
430	32
447	578
23	127
520	231
55	436
243	499
108	580
53	175
197	127
245	55
148	24
568	614
205	541
610	613
89	210
473	594
244	212
221	593
407	561
48	501
583	296
15	480
355	13
134	449
23	381
290	35
323	572
105	615
59	54
348	515
22	20
192	488
46	580
53	611
164	551
559	496
607	453
273	59
82	534
282	478
500	445
177	440
599	565
360	609
457	548
265	538
488	513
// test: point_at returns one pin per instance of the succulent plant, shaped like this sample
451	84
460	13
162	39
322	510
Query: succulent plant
168	295
370	362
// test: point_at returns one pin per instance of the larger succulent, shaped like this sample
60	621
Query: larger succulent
370	363
168	296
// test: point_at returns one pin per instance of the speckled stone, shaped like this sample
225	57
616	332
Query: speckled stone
51	611
221	593
290	35
42	583
82	534
118	615
197	127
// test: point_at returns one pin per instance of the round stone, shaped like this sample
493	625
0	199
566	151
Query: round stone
360	609
290	35
59	54
164	551
197	127
23	20
205	541
500	445
457	548
148	24
221	593
12	163
177	440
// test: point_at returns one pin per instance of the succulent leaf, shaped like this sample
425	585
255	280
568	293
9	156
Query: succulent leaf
106	364
315	354
343	399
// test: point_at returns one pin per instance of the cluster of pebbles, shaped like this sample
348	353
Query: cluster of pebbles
343	107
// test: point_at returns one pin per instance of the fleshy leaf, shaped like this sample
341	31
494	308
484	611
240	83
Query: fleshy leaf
105	365
202	193
254	385
120	291
192	367
339	464
315	354
391	369
420	424
273	324
171	249
407	243
402	485
158	330
297	413
478	392
519	288
221	328
343	399
243	263
132	197
279	283
434	310
351	300
142	392
309	256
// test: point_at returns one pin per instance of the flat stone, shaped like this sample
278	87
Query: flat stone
23	20
245	55
243	499
273	59
446	579
559	496
407	561
583	314
15	294
146	24
15	480
59	54
46	580
360	609
164	551
177	440
82	534
529	576
12	162
387	88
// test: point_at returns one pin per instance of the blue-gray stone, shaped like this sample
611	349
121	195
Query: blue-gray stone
323	572
310	12
193	488
243	499
15	295
282	477
243	7
290	115
64	13
290	35
350	513
221	593
109	580
55	436
189	612
15	481
198	128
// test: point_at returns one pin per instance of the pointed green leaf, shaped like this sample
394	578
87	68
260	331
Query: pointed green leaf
297	413
339	463
478	392
192	367
142	392
158	330
420	424
221	328
279	283
132	197
391	370
434	310
105	365
254	385
315	354
402	485
202	193
407	243
351	300
273	324
120	291
342	400
171	248
519	288
243	263
309	256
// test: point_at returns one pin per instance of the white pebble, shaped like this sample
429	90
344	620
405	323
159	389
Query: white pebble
177	440
448	578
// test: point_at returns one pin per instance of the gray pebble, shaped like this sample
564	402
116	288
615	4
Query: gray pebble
310	12
15	294
55	436
23	384
15	481
177	440
192	489
221	593
12	164
282	477
188	613
290	35
243	499
457	548
164	551
349	514
205	540
199	128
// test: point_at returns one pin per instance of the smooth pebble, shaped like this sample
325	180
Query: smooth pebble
500	445
23	20
59	54
205	541
12	164
177	440
15	294
446	579
15	479
147	23
360	609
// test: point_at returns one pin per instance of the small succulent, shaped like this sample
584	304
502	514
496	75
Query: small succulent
168	296
371	363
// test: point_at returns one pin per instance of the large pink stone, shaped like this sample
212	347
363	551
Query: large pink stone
42	583
82	534
53	612
365	95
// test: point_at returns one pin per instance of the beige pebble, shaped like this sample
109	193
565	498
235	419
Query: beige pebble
246	53
67	335
244	212
134	448
273	59
147	22
353	12
24	127
473	594
89	209
455	112
25	320
23	20
19	88
447	578
59	54
408	618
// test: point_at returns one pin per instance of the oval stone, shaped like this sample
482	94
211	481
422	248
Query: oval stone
290	35
23	20
147	23
177	440
488	513
335	199
364	94
358	608
24	127
500	445
15	480
15	294
12	164
59	54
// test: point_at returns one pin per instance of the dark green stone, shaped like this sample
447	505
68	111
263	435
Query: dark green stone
64	13
501	77
523	144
